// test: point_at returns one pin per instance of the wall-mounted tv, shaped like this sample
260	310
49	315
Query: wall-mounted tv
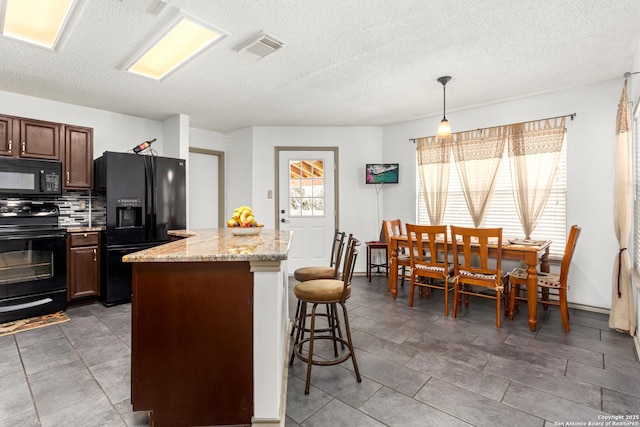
382	173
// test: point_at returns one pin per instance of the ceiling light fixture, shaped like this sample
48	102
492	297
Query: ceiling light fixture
444	129
181	40
39	22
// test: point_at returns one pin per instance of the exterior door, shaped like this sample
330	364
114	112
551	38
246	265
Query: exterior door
307	205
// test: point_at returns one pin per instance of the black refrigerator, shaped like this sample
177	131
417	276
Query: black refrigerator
145	198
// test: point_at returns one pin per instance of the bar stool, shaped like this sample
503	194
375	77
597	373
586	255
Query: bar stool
380	264
332	271
331	292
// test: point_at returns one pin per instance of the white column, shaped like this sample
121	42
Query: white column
270	341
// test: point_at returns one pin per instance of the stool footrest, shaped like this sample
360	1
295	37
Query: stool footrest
331	362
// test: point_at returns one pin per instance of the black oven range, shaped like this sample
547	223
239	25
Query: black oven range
32	260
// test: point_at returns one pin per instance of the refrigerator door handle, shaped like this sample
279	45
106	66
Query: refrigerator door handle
154	189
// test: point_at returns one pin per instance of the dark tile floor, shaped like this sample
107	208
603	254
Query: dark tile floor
418	368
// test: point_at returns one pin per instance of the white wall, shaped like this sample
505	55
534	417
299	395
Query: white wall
206	139
239	172
356	146
590	139
250	163
111	131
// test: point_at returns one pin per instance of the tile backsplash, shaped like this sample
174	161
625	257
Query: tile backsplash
77	208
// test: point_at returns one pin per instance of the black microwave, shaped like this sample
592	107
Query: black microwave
30	177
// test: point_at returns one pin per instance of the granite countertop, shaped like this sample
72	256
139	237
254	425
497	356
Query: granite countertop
217	244
85	229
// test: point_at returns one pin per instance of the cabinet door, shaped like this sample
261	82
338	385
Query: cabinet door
83	272
78	158
6	135
39	140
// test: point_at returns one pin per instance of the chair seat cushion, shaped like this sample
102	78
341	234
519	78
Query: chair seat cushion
546	280
310	273
487	277
320	290
423	267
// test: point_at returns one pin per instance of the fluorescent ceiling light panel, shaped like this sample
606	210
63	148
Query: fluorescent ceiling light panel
40	22
180	42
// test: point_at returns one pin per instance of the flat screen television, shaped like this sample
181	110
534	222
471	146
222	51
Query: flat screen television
382	173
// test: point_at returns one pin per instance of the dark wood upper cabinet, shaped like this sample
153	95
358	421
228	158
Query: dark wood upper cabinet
6	135
39	140
78	158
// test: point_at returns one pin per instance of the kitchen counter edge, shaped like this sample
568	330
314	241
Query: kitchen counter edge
215	245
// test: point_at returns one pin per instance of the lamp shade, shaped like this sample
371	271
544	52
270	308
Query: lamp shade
444	129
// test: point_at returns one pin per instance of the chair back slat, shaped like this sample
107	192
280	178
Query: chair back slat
423	245
392	228
351	254
569	249
337	250
475	253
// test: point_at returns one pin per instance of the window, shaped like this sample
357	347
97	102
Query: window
502	210
306	188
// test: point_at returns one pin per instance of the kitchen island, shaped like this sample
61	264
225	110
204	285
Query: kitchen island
209	329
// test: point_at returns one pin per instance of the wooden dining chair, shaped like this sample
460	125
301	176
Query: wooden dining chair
548	284
393	227
429	260
471	267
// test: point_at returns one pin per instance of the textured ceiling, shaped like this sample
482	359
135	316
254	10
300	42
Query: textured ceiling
349	62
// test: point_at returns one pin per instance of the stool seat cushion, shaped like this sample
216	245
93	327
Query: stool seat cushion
311	273
321	291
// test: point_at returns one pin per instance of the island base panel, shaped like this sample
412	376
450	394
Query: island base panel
192	343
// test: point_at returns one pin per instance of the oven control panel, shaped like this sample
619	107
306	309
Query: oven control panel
8	209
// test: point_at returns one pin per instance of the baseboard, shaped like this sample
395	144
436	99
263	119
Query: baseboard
589	308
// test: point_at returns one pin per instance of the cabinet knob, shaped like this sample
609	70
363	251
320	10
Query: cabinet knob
67	183
10	145
94	255
85	235
23	145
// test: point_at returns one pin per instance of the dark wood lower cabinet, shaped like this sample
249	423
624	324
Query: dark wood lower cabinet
83	265
192	343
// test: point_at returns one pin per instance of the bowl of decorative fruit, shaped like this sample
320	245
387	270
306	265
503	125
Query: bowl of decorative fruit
243	222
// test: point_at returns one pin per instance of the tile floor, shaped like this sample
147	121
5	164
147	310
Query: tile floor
418	368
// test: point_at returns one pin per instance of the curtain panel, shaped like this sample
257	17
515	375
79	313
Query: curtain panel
534	151
622	314
477	155
434	156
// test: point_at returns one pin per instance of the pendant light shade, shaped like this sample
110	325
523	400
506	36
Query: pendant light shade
444	129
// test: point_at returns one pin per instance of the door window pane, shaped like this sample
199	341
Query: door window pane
306	188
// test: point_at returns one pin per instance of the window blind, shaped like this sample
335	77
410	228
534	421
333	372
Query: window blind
502	211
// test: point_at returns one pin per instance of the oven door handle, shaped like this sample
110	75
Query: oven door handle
17	307
32	236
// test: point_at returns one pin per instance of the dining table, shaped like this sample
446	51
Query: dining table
531	252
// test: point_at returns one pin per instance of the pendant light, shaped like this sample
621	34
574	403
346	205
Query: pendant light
444	129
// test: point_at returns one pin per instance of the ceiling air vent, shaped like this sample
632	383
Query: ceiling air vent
260	46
